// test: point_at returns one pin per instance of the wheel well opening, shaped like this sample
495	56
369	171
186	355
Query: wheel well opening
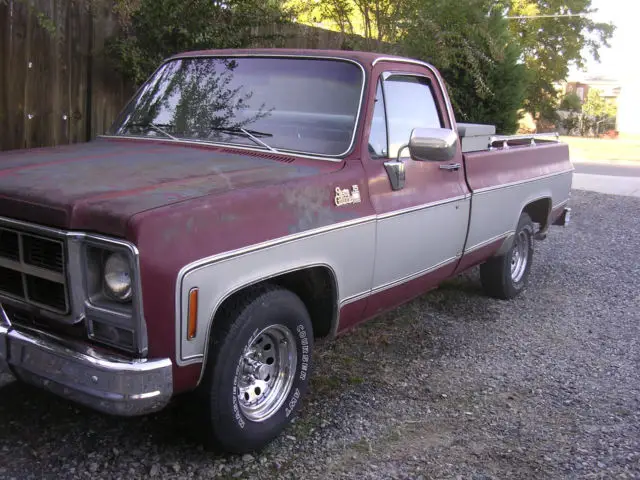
316	287
539	212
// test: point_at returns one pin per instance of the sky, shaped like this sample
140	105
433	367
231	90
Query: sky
621	60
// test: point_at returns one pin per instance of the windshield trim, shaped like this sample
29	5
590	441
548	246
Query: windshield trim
299	153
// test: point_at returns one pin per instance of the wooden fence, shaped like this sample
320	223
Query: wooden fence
56	87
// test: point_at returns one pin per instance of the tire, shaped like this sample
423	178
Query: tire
262	342
505	276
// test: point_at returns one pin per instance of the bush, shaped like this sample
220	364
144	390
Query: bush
156	29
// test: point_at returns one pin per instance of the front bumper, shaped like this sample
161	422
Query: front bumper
78	372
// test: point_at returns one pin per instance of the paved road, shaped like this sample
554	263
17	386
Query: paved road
607	178
608	169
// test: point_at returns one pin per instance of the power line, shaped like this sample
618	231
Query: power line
557	15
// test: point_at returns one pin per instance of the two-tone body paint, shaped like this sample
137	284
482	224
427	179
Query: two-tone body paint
236	226
407	241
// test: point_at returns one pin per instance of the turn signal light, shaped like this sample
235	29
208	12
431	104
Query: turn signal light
192	327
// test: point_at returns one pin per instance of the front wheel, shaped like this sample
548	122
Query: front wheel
258	368
507	275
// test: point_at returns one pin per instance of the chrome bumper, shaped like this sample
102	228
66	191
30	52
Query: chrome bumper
77	372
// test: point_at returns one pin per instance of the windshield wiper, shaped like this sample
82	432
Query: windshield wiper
251	134
158	127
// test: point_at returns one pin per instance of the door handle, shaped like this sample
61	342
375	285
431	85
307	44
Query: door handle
450	166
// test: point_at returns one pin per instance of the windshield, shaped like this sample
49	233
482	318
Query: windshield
293	104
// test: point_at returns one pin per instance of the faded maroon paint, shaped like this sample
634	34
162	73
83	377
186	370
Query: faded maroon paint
478	256
499	167
350	315
186	378
443	184
174	236
100	185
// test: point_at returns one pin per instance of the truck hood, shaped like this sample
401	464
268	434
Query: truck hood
98	186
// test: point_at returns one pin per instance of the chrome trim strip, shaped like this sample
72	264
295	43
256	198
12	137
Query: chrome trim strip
415	208
478	246
395	283
76	268
310	155
432	69
480	191
355	298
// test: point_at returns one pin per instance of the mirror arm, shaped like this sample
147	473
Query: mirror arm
406	145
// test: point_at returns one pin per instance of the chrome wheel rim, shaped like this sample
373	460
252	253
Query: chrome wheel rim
519	256
265	372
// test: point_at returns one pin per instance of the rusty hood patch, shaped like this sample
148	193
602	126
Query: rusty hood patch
101	184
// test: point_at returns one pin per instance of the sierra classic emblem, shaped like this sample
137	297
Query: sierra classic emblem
345	197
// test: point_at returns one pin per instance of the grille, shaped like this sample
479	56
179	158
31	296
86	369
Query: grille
32	269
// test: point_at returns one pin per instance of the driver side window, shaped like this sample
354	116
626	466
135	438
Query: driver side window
403	102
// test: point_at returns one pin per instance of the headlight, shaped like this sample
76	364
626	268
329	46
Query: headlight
117	277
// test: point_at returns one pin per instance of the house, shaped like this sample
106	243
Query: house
609	88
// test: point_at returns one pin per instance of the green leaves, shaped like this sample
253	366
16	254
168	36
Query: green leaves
551	45
156	29
494	65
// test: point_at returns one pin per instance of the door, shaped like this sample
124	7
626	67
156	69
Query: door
421	227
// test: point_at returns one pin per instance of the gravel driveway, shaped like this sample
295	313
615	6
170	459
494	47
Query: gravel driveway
452	385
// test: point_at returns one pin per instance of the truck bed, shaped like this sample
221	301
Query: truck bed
503	181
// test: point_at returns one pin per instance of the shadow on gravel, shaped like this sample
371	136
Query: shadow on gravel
34	418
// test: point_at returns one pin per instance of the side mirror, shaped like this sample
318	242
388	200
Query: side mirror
433	144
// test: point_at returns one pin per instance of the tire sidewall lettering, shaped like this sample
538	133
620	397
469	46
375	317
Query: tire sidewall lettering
237	415
304	348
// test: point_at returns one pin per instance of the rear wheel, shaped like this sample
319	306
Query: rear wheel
257	369
507	275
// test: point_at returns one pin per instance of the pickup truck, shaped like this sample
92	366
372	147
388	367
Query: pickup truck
244	204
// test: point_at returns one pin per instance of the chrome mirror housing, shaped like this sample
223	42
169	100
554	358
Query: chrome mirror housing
433	144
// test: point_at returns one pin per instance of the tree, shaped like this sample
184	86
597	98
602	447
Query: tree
551	45
571	102
475	55
473	50
596	111
155	29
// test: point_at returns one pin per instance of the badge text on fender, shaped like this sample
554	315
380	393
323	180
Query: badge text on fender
346	197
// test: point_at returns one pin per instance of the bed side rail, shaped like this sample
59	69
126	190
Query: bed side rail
506	141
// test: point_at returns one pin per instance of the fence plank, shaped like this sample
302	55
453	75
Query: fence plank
16	74
109	92
4	66
37	97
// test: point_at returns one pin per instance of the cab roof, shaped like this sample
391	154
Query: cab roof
364	58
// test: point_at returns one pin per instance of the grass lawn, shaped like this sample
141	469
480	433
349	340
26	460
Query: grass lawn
595	149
